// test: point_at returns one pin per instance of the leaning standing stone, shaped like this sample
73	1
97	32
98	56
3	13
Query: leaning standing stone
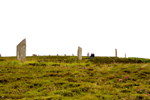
21	50
79	53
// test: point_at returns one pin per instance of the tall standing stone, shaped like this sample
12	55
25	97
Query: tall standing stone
116	52
21	50
79	53
0	55
125	55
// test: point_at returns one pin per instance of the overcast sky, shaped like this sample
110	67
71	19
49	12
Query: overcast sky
60	26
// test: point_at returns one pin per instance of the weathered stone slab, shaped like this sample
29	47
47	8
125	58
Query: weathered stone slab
125	55
79	53
72	54
116	52
64	54
21	50
0	55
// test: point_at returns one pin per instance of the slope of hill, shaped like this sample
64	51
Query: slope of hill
66	78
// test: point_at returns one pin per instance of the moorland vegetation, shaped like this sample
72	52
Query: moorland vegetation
67	78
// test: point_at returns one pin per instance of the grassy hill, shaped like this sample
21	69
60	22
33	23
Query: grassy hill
66	78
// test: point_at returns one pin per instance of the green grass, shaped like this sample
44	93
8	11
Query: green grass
66	78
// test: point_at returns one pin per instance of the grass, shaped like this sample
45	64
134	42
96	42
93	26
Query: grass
66	78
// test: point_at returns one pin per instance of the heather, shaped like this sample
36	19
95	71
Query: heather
67	78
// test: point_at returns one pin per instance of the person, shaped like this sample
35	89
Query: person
91	56
88	55
34	55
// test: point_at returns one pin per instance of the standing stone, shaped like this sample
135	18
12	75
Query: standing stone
79	53
125	55
64	54
72	54
116	52
21	50
0	55
57	54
